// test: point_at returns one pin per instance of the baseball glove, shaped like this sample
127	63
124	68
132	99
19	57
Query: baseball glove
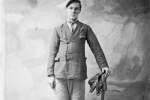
98	82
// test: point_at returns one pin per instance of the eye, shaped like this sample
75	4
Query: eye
76	8
70	8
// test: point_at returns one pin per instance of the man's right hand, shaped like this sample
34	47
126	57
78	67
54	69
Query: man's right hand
51	81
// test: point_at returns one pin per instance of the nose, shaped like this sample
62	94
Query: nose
73	10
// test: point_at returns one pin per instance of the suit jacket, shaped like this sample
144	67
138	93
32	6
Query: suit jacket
67	52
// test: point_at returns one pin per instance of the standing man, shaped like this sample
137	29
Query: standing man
67	68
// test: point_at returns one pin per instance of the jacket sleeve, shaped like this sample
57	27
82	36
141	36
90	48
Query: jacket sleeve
54	47
96	48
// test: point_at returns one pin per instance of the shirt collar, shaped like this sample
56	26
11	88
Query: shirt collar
71	21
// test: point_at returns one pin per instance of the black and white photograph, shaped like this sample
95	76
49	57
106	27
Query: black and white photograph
75	50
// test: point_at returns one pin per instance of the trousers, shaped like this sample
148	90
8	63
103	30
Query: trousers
69	89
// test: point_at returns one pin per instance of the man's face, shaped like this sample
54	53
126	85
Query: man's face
73	11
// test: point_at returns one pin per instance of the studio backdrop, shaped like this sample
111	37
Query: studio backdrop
121	26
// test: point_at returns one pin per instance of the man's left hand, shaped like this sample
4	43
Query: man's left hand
106	71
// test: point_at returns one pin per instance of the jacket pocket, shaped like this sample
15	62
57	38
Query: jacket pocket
59	67
57	60
82	37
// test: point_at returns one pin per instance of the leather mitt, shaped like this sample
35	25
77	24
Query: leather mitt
98	82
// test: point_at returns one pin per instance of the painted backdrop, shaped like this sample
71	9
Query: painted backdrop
122	28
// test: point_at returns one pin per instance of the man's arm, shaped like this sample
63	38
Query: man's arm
97	50
54	47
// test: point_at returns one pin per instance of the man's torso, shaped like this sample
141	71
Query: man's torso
70	62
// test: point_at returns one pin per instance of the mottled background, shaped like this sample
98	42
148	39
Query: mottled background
122	28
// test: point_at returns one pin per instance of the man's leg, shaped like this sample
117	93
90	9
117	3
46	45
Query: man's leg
78	90
61	89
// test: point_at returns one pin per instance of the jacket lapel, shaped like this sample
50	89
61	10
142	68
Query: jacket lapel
65	33
77	31
68	35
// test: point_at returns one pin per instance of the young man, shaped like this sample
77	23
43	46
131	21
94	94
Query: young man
67	68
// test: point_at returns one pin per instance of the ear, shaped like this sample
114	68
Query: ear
80	12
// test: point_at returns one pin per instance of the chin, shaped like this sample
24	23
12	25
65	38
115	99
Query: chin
73	18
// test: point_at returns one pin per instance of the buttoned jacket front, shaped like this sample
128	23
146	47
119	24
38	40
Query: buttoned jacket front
67	52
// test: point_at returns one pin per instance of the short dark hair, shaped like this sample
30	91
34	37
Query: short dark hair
73	1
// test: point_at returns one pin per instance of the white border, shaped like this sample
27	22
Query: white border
2	49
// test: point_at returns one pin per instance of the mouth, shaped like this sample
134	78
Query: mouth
72	14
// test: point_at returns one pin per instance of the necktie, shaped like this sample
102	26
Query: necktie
72	27
72	24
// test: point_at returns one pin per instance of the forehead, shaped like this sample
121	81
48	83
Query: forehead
74	4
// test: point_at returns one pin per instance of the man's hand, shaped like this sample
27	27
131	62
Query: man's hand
106	71
51	81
